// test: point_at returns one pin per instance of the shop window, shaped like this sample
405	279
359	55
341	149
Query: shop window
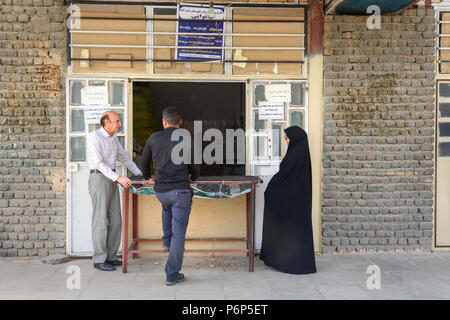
219	106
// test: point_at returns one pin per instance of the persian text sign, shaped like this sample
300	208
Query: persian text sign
278	92
94	95
197	16
271	110
92	114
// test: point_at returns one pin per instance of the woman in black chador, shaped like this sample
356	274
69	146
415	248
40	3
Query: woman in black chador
287	243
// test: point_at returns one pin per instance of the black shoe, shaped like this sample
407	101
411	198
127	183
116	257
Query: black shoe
114	263
176	278
104	266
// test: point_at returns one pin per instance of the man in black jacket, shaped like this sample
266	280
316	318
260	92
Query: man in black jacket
172	190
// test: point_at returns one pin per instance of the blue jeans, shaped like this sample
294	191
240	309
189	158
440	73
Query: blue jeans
176	207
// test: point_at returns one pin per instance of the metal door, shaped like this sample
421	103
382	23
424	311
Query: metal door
265	133
84	97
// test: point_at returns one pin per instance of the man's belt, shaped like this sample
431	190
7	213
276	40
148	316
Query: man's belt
98	171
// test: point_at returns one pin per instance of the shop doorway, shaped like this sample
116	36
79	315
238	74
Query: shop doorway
214	105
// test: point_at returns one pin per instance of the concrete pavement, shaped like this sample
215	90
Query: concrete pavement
401	276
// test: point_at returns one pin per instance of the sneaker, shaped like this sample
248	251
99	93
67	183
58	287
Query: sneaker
174	279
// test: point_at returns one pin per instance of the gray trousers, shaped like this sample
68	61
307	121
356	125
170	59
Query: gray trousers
106	217
176	208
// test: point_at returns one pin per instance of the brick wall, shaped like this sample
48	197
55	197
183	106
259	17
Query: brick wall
378	143
32	127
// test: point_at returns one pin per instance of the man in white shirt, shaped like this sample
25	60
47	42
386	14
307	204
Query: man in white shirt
103	149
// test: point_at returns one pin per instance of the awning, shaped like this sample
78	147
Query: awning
360	6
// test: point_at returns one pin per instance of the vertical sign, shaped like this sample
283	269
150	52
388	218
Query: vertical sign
210	32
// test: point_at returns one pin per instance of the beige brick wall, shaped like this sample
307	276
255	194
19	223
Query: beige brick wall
378	138
32	127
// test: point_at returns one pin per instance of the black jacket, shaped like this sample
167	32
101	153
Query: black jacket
168	176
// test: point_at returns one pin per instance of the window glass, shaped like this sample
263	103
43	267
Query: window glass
120	112
444	149
260	94
96	83
75	92
444	110
259	125
297	94
122	141
444	129
93	127
278	143
77	121
117	93
297	118
444	90
260	147
77	149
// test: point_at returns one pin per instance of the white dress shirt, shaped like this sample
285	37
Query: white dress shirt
103	151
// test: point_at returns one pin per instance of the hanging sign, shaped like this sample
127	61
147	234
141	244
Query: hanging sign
271	110
92	114
278	92
212	32
94	95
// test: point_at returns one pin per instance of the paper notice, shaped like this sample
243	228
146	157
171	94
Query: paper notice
93	114
278	92
239	57
271	110
94	95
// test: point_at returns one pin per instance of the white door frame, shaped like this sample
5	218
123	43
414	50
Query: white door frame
69	234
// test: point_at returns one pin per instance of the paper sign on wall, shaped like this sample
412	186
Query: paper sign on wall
271	110
278	92
92	114
94	95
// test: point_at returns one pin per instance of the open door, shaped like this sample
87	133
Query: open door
274	106
86	99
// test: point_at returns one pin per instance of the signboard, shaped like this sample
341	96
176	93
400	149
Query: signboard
94	95
198	16
271	110
278	92
92	114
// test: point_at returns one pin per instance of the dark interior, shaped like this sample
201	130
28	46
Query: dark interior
219	105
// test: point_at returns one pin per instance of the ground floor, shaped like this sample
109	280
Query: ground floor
369	276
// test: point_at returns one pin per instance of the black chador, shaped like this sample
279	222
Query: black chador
287	242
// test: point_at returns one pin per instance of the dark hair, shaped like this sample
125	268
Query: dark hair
171	115
103	118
